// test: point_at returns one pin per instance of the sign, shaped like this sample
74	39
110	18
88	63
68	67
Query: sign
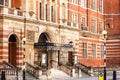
101	76
43	58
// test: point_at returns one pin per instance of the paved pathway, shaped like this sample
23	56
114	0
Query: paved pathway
58	75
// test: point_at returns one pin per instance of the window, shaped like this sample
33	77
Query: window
1	2
93	26
102	51
94	51
47	12
4	2
52	19
41	11
74	18
74	1
83	3
100	5
83	24
93	4
53	13
46	6
84	50
101	27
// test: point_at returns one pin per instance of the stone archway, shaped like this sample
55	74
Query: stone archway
44	56
12	51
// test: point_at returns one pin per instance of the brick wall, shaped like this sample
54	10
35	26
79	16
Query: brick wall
112	17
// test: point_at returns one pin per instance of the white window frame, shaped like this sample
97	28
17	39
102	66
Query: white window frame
94	26
84	49
93	6
94	54
74	18
83	3
84	22
101	6
74	1
101	27
102	51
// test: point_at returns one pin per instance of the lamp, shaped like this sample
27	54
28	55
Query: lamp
104	33
71	43
24	40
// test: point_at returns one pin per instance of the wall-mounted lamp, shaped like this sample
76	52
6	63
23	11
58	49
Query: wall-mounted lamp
71	43
24	40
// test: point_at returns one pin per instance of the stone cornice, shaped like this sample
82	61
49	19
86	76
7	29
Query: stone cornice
43	22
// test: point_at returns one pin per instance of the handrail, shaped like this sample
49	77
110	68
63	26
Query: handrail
67	69
33	70
84	68
7	65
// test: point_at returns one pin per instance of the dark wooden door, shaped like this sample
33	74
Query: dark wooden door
12	50
70	58
12	53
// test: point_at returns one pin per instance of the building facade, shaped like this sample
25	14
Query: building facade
49	27
112	18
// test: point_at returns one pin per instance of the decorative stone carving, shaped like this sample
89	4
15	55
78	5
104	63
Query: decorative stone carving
30	36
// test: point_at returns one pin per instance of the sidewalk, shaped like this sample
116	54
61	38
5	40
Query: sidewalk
57	74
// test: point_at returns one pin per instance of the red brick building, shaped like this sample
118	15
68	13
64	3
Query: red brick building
59	22
112	25
88	14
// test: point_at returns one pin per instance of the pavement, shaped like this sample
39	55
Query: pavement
58	75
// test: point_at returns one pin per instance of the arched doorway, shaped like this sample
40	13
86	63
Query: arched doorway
12	49
43	38
44	56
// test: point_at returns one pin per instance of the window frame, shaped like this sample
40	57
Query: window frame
94	54
74	1
4	2
74	18
84	50
83	3
83	22
93	26
101	6
93	4
102	51
101	27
